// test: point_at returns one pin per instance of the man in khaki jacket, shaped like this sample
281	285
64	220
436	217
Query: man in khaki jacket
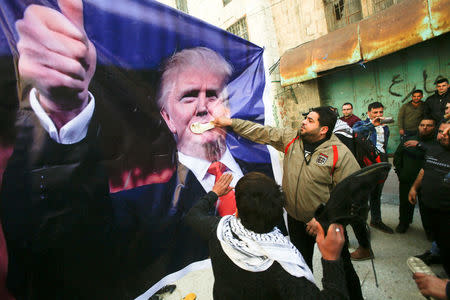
315	161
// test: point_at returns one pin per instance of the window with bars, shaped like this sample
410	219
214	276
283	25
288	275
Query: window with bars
379	5
182	5
239	28
340	13
225	2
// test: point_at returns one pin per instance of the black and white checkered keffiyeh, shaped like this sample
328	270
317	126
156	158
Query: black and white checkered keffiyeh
256	252
342	128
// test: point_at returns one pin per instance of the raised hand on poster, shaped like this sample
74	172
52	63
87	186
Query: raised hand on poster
56	56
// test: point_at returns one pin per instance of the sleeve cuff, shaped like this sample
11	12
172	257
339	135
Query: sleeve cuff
212	197
234	122
73	131
332	266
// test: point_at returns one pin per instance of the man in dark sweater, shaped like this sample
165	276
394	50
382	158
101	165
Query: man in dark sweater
435	104
408	160
410	115
251	258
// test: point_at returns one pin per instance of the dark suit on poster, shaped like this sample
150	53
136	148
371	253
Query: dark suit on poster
67	236
57	217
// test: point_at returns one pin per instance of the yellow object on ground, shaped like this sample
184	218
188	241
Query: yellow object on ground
190	296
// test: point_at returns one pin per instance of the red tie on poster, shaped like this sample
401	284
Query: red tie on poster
226	205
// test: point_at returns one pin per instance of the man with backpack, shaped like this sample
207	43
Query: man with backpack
365	155
315	161
374	131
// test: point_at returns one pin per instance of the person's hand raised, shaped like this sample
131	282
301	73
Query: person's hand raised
411	143
222	186
312	227
377	121
55	55
331	245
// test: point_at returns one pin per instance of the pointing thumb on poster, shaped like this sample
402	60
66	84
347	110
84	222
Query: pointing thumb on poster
56	57
73	10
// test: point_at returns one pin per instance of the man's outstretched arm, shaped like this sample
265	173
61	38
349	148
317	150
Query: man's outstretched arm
276	137
57	58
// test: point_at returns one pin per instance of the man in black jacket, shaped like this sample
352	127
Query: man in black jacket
434	183
435	104
408	160
251	258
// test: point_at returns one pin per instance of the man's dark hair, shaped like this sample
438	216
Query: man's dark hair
428	119
260	201
327	117
334	110
348	103
441	80
417	91
374	105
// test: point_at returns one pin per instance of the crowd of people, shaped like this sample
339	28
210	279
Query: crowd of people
422	164
66	237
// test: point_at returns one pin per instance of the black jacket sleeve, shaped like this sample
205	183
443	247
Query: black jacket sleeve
398	162
200	216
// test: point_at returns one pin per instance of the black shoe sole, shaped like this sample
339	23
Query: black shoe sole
382	229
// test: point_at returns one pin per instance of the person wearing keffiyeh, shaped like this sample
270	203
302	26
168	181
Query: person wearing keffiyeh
251	258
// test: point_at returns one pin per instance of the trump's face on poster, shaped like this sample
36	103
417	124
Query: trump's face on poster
195	93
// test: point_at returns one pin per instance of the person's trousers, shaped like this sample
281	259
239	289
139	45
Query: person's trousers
426	218
375	197
439	221
305	244
360	228
375	203
406	209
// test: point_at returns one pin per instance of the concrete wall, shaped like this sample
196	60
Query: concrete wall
297	22
294	100
257	13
